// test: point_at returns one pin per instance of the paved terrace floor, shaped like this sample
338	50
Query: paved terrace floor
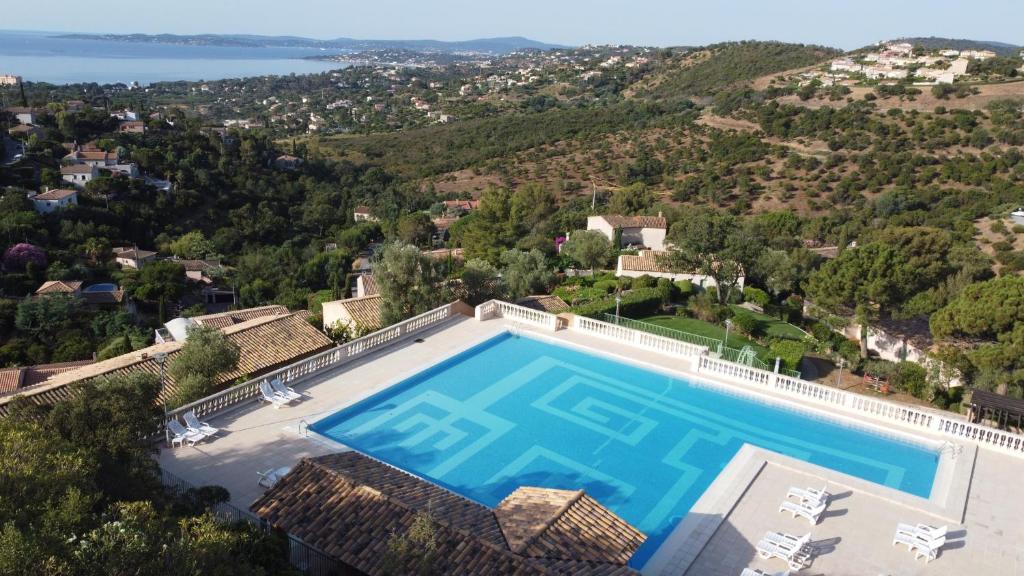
854	537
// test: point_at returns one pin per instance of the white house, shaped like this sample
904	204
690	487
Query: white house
366	285
53	200
133	257
651	263
78	175
24	114
363	214
646	231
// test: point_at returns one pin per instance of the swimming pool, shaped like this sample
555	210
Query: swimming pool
514	411
100	288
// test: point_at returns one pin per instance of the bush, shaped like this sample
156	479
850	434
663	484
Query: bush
686	289
790	352
702	307
606	285
912	379
849	350
635	304
645	281
748	324
668	291
756	295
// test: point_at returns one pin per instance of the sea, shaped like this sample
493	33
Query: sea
45	57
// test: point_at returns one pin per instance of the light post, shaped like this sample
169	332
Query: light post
618	303
160	357
839	375
725	343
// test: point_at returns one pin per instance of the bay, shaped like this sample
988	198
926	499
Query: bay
44	57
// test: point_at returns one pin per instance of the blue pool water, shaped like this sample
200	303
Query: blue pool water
514	411
100	288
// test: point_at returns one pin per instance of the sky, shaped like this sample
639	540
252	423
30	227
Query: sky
840	23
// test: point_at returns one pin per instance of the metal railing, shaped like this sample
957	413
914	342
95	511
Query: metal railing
305	558
326	360
731	354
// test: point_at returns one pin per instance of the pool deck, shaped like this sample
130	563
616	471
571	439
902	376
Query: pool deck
853	538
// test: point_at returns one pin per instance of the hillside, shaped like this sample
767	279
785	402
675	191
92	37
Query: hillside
936	43
719	67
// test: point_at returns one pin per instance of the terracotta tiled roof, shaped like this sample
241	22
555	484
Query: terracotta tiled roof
444	253
230	318
369	285
618	221
11	379
77	169
111	297
645	261
544	303
565	524
444	223
134	254
59	287
58	194
264	343
364	311
349	506
467	205
199	265
362	210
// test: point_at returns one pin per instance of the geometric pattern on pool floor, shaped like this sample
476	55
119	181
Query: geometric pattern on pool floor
514	411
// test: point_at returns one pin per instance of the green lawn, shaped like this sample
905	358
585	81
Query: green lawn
774	326
702	328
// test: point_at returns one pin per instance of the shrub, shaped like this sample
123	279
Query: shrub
756	295
635	304
19	256
686	289
668	291
849	350
912	379
645	281
606	285
790	352
748	324
702	307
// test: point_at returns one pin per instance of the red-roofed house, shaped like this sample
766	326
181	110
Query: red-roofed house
53	200
646	231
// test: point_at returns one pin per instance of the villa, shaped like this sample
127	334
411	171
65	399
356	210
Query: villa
645	231
53	200
78	175
537	443
362	311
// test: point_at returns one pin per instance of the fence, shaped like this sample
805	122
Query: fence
638	338
730	354
516	313
325	360
306	559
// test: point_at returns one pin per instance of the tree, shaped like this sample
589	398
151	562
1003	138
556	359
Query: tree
95	249
409	282
192	246
22	255
416	229
46	316
158	282
525	273
589	248
632	199
206	355
480	282
709	242
414	552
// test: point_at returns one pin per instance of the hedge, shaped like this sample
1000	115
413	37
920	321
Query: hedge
635	304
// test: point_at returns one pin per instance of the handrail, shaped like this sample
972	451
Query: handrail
325	360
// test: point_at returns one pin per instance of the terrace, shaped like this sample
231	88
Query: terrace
719	534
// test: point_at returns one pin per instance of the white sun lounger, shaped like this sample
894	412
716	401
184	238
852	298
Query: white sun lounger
785	547
182	435
809	511
922	531
283	390
195	425
274	398
270	478
922	548
809	494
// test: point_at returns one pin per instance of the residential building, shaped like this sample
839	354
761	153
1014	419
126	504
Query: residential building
132	127
287	162
97	158
78	175
74	106
544	303
125	115
67	287
177	330
24	114
359	313
845	65
363	214
366	285
202	271
53	200
9	80
533	531
652	263
26	131
265	344
460	206
133	257
639	231
13	380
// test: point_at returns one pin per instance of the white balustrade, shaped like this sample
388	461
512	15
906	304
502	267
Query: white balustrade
326	360
637	338
516	313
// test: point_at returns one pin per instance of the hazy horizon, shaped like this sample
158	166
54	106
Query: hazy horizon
573	22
